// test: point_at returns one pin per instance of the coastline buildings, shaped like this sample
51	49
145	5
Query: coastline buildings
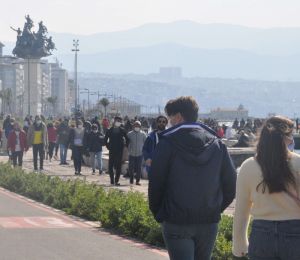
229	114
60	89
12	83
35	81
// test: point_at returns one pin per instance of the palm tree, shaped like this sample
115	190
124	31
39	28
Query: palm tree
52	101
6	97
104	102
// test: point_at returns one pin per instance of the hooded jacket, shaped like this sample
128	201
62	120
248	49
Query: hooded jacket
192	178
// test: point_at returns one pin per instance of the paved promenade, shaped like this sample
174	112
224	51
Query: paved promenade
32	231
67	171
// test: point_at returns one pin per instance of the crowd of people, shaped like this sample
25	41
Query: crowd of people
192	179
126	139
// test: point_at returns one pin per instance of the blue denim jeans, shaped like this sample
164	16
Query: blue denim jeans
98	156
190	242
275	240
63	153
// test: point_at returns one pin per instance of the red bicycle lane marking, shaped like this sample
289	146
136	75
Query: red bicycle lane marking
35	222
54	212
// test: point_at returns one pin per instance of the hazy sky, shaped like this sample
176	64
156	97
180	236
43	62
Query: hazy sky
91	16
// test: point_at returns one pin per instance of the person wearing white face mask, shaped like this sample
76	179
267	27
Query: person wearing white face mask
115	140
95	141
137	139
37	137
76	144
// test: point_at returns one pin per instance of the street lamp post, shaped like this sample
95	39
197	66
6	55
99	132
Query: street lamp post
88	92
76	44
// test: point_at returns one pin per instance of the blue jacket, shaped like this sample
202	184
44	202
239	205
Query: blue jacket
192	178
149	145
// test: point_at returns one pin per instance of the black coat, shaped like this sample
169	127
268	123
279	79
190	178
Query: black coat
115	141
192	178
95	141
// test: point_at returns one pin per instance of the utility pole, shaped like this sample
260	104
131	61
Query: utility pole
28	82
76	44
88	92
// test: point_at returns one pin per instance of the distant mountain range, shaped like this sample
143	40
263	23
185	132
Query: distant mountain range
206	50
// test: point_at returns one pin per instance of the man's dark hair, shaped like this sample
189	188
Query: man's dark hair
118	118
186	106
94	127
162	117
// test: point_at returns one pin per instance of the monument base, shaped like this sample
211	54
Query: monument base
33	86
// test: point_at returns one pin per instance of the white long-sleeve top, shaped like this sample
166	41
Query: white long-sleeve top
263	206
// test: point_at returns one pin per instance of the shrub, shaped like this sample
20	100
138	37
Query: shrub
126	213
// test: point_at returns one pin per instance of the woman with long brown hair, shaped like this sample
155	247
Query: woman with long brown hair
268	189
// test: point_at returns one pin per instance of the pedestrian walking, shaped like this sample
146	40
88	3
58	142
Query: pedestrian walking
137	139
76	143
37	137
63	133
95	120
52	138
56	147
105	124
95	141
191	182
17	144
26	124
8	125
153	139
115	140
268	188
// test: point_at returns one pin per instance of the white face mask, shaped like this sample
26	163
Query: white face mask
137	129
95	131
80	126
39	122
117	124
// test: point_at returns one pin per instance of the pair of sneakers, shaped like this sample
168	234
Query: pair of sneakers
100	172
136	183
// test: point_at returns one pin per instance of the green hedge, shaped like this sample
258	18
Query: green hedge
125	213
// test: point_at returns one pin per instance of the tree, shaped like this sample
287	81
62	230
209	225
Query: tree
104	102
52	101
6	97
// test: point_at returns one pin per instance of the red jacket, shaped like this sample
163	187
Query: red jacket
220	132
52	135
11	142
105	123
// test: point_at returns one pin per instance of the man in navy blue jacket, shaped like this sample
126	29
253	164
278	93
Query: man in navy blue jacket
191	182
152	140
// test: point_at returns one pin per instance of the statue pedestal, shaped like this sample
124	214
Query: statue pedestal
33	87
